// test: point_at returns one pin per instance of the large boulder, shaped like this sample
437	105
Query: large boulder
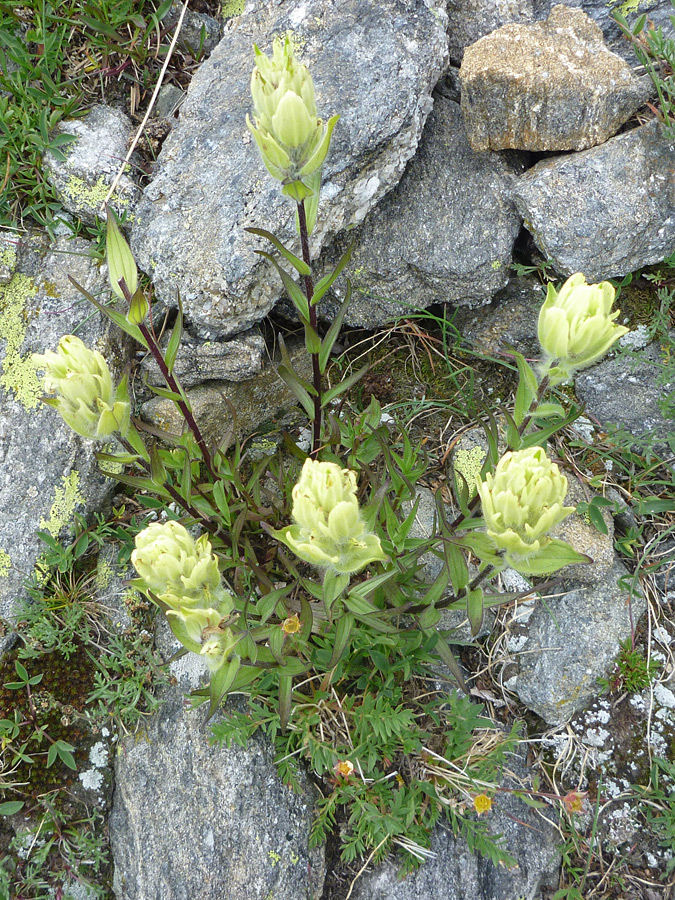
551	85
605	211
375	62
444	234
192	821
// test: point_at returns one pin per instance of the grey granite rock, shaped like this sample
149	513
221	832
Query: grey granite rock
211	184
508	323
192	821
198	361
47	472
551	85
444	234
458	874
605	211
627	391
92	161
572	641
9	245
470	20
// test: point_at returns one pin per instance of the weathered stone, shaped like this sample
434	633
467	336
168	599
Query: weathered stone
444	234
82	179
627	392
9	244
211	184
572	641
605	211
257	401
192	821
455	873
508	323
47	472
199	361
551	85
199	32
470	20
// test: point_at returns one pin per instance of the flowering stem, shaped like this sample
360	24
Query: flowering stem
309	290
173	385
543	387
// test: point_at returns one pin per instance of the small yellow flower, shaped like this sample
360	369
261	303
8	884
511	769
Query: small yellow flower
344	768
291	625
482	804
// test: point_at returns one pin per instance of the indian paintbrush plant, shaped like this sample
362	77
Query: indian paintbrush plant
302	590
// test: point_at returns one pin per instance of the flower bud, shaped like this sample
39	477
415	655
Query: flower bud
522	501
329	531
121	264
217	649
292	141
85	399
182	572
576	325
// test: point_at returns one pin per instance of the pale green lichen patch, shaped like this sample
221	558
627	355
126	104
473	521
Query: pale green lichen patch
5	563
93	195
233	8
66	500
8	257
468	463
18	374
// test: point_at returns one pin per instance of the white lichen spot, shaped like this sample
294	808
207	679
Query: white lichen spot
664	696
91	780
98	755
18	374
66	499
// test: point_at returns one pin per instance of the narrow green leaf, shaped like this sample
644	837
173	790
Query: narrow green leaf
474	610
221	502
429	618
221	682
301	267
553	557
333	332
298	387
276	643
344	385
118	318
343	634
285	700
448	657
165	393
10	807
292	289
527	389
174	340
325	283
456	565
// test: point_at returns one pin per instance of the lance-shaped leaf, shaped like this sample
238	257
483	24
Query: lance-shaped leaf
554	556
332	334
285	700
527	389
343	633
221	682
344	385
325	283
299	265
175	339
474	609
292	289
447	656
118	318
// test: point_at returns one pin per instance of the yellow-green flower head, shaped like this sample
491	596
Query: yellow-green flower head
576	325
292	141
329	530
85	397
182	572
522	501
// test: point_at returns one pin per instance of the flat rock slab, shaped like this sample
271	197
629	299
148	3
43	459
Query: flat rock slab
211	183
458	874
197	822
47	472
605	211
551	85
572	641
444	234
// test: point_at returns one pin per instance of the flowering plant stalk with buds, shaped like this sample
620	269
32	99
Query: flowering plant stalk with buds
307	578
